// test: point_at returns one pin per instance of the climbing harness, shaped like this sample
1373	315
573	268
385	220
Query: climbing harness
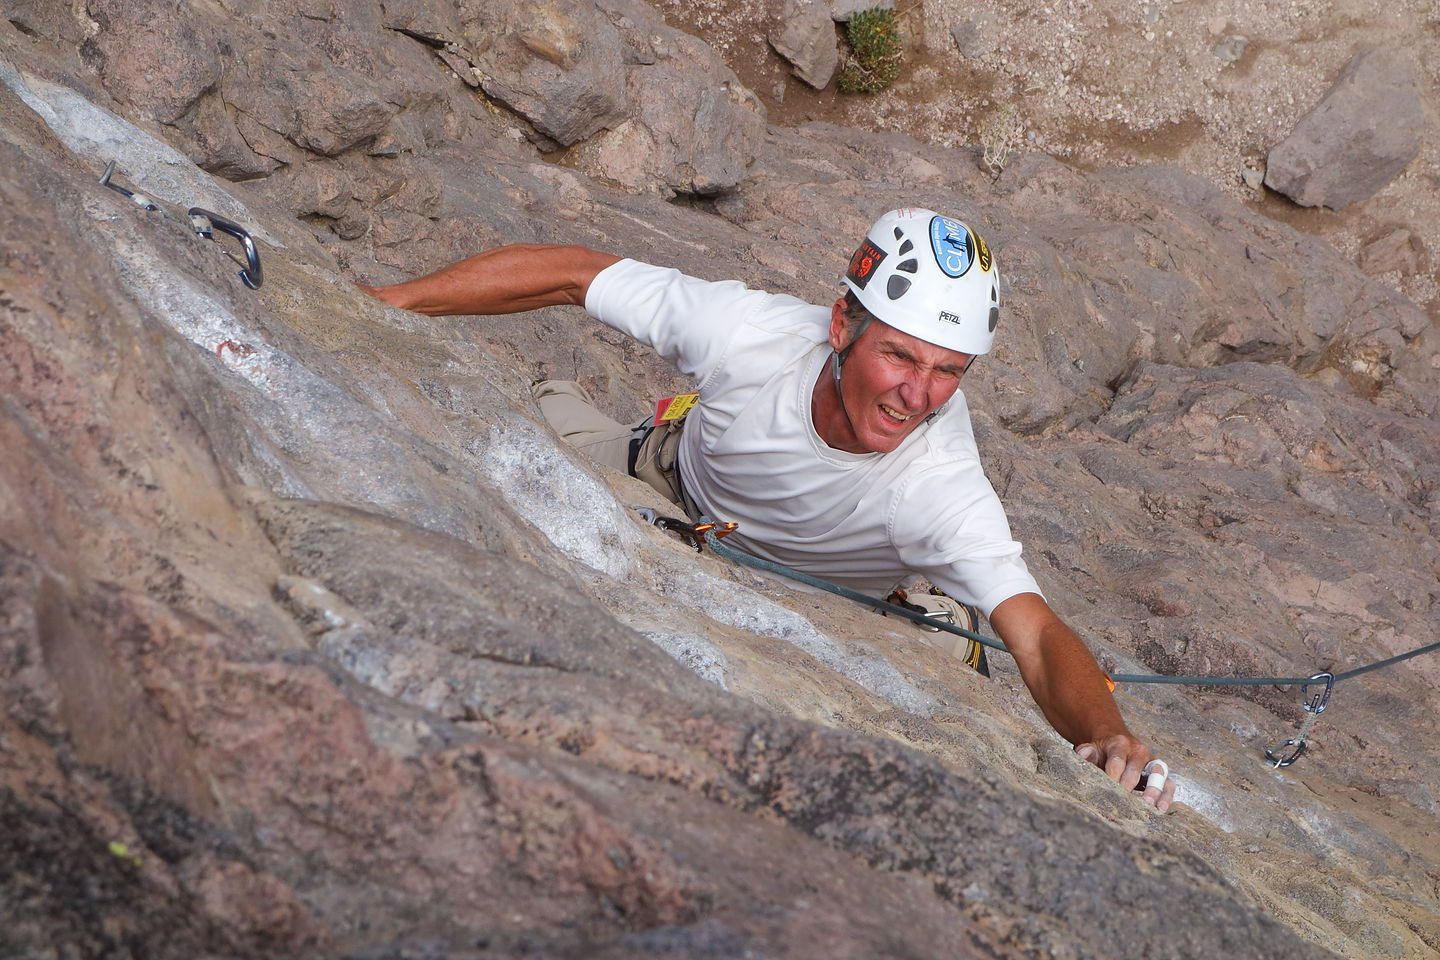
1296	744
939	607
203	222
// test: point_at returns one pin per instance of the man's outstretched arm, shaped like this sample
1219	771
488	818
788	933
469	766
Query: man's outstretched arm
1071	691
511	279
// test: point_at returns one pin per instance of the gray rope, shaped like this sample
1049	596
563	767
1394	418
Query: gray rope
884	607
881	606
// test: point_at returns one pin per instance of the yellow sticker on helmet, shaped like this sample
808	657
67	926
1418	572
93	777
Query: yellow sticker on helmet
984	252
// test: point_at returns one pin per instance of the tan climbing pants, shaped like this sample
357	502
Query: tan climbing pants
571	412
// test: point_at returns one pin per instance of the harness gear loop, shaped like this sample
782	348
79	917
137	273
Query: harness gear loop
1313	709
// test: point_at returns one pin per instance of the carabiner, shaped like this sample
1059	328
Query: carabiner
206	223
1318	702
691	533
1278	761
1313	709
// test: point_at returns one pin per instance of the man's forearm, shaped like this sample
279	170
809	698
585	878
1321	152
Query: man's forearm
508	279
1071	689
1059	670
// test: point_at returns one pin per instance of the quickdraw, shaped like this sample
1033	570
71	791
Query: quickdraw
142	201
1313	709
691	533
206	223
203	222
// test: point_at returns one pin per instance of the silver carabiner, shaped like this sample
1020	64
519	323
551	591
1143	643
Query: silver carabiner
1313	709
206	223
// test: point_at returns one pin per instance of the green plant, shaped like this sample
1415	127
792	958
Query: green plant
874	59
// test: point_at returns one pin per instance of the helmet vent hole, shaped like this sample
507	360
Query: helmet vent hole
899	234
994	318
905	248
909	266
898	285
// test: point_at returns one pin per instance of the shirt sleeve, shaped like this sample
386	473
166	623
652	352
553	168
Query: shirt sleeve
949	525
689	322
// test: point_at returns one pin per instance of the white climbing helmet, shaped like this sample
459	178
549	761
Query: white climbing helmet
929	276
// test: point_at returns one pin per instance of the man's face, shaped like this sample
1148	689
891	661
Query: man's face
891	382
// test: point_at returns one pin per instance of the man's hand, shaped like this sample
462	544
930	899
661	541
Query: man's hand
1072	692
1125	760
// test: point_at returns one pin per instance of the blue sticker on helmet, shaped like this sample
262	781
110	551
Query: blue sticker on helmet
950	240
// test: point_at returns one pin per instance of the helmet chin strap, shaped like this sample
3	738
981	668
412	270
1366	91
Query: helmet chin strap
837	360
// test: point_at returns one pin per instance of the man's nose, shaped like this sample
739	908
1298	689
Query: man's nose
914	391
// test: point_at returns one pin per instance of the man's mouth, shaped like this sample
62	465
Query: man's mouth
894	414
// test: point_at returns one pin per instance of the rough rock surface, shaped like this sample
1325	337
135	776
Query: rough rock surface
558	64
1363	132
805	35
843	10
314	642
691	128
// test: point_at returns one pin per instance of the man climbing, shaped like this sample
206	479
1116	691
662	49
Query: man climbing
836	436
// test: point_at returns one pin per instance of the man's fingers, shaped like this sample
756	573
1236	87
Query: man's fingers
1117	769
1117	759
1156	775
1167	797
1160	794
1126	761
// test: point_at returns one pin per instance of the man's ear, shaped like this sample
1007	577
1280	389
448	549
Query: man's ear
839	326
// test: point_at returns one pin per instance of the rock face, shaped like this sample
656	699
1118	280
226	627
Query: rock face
315	642
691	128
843	10
1358	138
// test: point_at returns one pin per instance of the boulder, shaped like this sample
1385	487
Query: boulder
976	36
1364	131
691	125
805	37
1397	250
154	55
558	64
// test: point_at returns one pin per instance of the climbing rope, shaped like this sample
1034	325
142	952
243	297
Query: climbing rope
1296	744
